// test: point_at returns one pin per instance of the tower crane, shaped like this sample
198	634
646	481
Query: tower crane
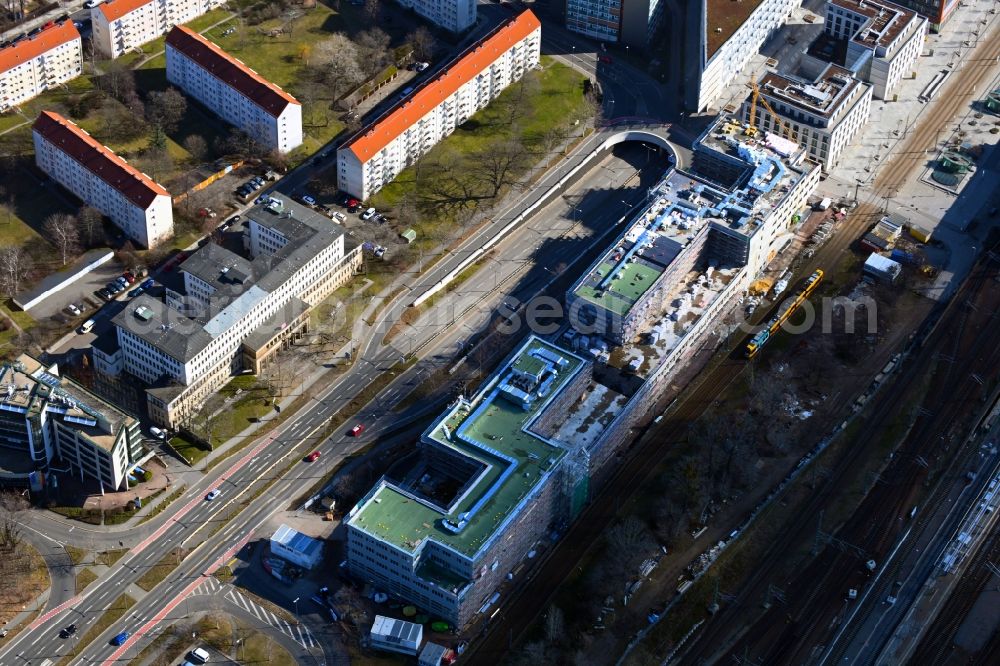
779	122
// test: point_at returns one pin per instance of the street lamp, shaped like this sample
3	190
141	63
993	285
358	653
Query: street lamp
296	602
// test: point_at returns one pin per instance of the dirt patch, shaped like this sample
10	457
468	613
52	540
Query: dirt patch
25	577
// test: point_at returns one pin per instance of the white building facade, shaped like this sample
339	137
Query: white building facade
139	206
122	25
236	93
233	312
884	40
719	66
39	63
452	15
374	156
823	116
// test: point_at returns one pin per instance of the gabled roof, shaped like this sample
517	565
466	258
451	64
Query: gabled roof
32	47
457	73
136	186
229	70
115	9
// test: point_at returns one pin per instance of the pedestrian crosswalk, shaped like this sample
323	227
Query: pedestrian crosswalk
297	632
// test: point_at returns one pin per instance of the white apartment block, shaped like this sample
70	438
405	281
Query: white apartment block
35	64
375	155
723	52
233	91
823	116
232	313
452	15
139	206
122	25
55	425
883	40
631	22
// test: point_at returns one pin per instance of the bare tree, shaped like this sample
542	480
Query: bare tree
12	505
335	65
15	265
372	8
423	43
500	164
373	50
61	230
196	146
555	625
166	109
91	225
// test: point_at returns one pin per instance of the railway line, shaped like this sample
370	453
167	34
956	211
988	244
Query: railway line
789	634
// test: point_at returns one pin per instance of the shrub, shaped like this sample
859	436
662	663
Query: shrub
147	475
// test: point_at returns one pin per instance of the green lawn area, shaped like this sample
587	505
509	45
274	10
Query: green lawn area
84	578
190	451
156	573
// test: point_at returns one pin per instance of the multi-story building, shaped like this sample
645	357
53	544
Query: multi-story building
135	203
883	40
719	39
491	481
54	425
35	64
732	208
122	25
823	115
631	22
937	11
375	155
233	91
230	313
453	15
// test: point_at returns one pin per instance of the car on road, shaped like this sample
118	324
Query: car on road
212	494
368	214
73	310
325	154
313	457
66	632
308	200
357	429
120	639
231	221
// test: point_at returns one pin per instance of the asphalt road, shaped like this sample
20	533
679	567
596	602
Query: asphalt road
191	521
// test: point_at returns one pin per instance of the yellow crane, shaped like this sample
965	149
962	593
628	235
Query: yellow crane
778	121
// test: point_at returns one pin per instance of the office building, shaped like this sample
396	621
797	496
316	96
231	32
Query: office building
32	65
452	15
120	26
136	204
233	91
880	41
490	482
937	12
300	549
631	22
732	208
823	115
229	313
57	426
719	38
375	155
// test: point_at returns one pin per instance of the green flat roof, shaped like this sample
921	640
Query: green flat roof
636	278
497	423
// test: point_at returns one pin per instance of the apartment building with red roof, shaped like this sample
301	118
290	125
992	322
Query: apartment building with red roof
376	154
35	64
138	205
120	26
233	91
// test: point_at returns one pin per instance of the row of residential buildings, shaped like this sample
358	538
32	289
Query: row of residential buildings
502	470
375	155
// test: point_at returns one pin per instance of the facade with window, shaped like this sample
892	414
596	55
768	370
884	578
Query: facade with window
120	26
823	116
374	156
631	22
35	64
136	204
233	91
452	15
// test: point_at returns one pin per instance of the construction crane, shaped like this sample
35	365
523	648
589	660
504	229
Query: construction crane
751	130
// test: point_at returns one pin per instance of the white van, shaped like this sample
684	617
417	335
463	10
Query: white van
199	655
87	325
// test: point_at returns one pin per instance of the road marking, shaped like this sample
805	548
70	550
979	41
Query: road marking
298	633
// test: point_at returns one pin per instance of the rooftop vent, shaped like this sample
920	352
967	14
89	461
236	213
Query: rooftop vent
144	313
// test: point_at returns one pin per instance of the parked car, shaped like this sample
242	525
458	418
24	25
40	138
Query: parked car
213	494
207	212
90	4
103	294
120	639
313	457
73	310
159	433
138	291
380	218
199	655
358	429
354	209
308	200
147	283
421	66
351	201
86	326
340	217
368	214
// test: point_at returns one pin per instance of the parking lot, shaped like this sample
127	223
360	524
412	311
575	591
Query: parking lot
80	293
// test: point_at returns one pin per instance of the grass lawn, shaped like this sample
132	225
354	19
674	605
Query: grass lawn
25	577
188	450
245	399
84	578
260	649
115	611
76	555
109	557
156	573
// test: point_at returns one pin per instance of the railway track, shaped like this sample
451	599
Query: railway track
777	637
